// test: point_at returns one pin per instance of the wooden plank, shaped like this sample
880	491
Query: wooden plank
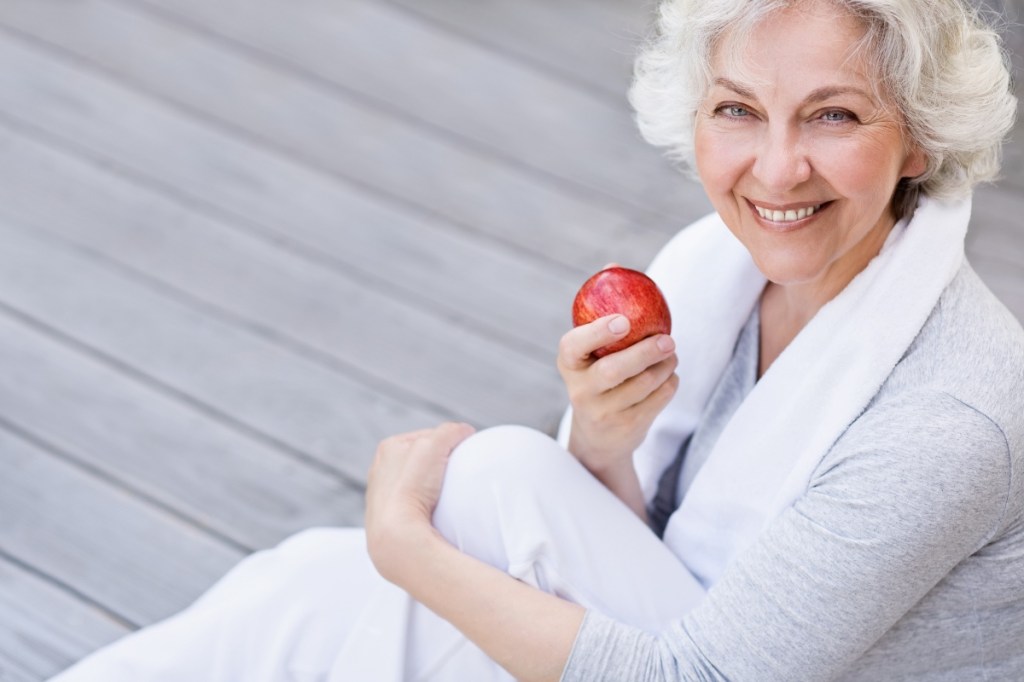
995	243
604	34
111	561
172	453
1008	18
325	128
333	319
1013	161
228	370
44	628
457	87
995	229
16	674
1005	279
312	214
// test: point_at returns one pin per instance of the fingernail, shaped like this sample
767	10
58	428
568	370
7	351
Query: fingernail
618	325
665	344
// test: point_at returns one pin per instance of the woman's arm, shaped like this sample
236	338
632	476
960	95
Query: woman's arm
888	516
528	632
615	399
897	504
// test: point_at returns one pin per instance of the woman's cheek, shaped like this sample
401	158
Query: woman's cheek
852	166
721	158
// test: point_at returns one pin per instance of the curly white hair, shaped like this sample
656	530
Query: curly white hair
939	62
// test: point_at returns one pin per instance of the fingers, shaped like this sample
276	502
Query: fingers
617	368
417	457
650	390
643	386
404	438
576	346
444	438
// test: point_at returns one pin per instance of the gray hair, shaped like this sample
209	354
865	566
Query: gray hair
938	61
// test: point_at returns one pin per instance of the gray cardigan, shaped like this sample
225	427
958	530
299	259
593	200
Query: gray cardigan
904	559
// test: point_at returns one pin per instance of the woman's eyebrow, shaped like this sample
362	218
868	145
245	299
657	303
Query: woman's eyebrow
819	95
735	87
829	91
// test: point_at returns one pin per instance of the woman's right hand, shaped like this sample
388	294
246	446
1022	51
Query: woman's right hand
615	398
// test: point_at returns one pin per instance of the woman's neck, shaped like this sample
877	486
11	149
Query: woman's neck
786	308
781	321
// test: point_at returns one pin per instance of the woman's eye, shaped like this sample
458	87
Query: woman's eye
733	111
836	117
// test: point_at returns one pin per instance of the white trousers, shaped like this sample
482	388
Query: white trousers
314	608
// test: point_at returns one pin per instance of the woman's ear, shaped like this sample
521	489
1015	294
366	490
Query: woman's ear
915	164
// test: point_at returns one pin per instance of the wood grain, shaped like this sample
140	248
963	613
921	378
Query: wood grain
241	241
328	315
43	628
300	406
455	86
381	154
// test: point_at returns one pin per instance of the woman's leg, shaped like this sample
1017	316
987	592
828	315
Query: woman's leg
279	615
517	500
314	608
514	498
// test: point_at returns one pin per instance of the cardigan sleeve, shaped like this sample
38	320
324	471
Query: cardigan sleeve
914	486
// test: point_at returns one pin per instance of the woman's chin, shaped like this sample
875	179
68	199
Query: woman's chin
786	272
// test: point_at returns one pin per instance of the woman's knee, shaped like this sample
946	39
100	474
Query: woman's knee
319	544
504	456
312	558
492	477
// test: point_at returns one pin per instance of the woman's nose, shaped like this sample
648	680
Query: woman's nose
781	163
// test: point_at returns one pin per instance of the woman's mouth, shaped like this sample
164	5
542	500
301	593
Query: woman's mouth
788	217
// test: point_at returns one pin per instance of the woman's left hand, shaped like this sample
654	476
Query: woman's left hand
527	631
403	488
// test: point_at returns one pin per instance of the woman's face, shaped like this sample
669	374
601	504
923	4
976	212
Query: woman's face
797	154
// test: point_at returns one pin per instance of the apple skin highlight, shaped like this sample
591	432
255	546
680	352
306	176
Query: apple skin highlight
627	292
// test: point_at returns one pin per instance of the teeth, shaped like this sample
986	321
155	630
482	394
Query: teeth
786	216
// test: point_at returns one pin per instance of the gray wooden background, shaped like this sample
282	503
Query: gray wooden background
243	240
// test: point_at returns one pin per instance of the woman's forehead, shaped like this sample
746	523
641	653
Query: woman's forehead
805	47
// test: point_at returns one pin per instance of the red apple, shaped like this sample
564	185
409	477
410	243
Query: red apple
628	292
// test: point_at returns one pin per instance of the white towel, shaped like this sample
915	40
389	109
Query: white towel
813	391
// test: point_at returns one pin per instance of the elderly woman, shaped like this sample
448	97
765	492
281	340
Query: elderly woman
818	477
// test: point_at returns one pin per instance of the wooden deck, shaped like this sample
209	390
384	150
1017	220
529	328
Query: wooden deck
243	241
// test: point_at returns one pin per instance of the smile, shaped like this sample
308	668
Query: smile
787	216
790	214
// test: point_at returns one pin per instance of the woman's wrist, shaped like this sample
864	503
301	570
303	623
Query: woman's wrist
528	632
400	545
621	479
595	454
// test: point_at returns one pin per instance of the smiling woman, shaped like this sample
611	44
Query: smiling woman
815	477
940	66
799	155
